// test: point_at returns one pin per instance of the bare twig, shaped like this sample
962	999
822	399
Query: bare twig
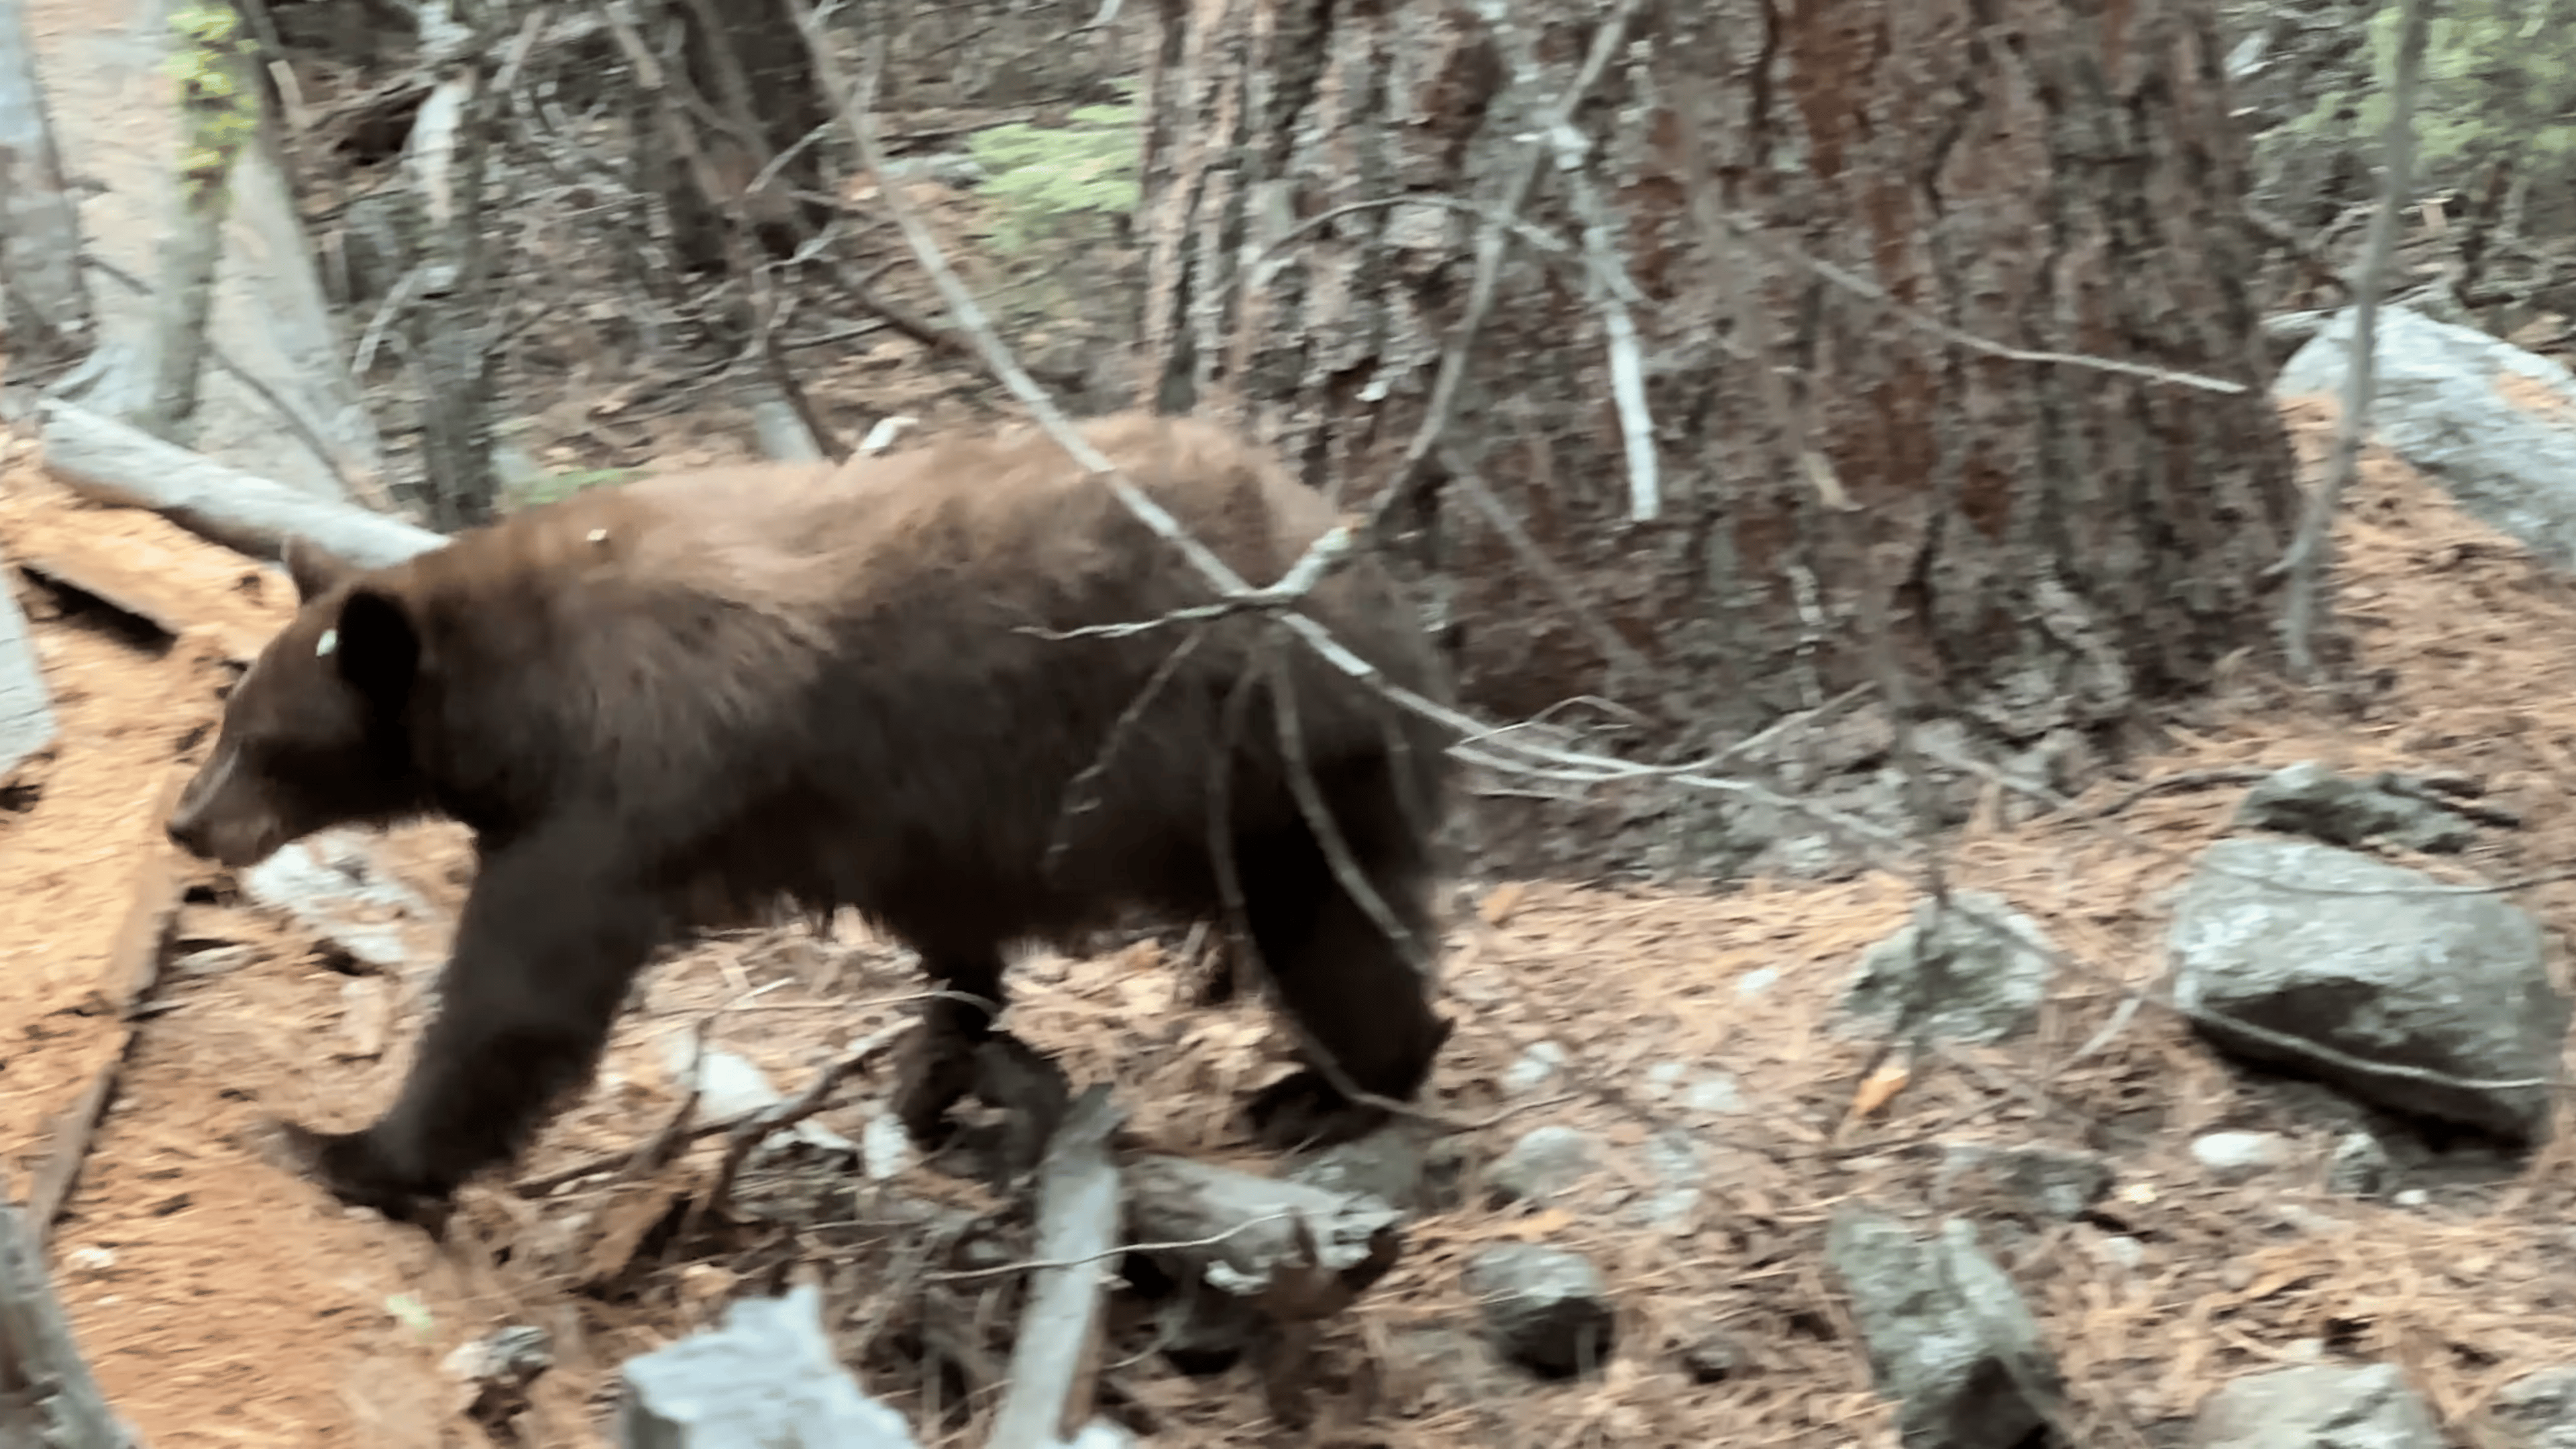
2306	560
750	1133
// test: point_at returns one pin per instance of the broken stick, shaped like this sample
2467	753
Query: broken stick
1055	1360
109	461
47	1394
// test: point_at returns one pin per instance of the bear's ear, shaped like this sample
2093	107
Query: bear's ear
313	569
375	646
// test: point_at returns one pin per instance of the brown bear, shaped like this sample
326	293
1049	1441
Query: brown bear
681	703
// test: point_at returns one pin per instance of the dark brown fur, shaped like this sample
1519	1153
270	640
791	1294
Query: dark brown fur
665	706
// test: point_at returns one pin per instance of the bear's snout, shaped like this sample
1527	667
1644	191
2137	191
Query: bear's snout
211	827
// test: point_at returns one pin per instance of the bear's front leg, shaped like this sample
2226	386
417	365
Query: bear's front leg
550	938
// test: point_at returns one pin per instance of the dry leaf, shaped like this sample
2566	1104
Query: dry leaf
1501	901
1881	1087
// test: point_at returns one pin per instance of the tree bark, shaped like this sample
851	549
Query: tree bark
2053	546
745	65
48	316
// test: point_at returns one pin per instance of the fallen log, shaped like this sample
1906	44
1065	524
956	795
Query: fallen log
48	1397
1055	1359
26	709
104	459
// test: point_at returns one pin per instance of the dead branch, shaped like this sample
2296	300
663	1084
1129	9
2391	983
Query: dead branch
2306	560
109	461
776	1118
1055	1357
47	1396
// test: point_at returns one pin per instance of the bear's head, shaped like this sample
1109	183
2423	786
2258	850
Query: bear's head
316	733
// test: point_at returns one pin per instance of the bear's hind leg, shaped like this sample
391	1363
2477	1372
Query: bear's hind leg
939	1061
1352	990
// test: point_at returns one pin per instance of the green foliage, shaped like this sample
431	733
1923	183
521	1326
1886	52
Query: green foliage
2499	76
1063	181
220	108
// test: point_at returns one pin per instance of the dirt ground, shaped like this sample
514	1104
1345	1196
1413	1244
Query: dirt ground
224	1302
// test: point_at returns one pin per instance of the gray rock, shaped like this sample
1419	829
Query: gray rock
732	1085
1397	1164
2236	1156
1714	1095
765	1380
2309	799
332	887
1949	1337
1546	1309
2359	1167
1706	1093
1675	1161
2542	1406
2435	403
1545	1162
2054	1182
1712	1357
2449	983
2318	1406
1976	977
1535	1068
497	1369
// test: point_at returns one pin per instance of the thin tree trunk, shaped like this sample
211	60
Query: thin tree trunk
447	330
2056	546
48	300
218	115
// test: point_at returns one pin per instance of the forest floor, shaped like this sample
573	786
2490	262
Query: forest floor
225	1302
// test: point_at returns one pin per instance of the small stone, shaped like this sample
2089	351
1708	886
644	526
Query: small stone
1715	1095
1757	981
885	1149
1545	1162
2359	1166
2413	1197
1534	1068
1545	1309
2122	1249
2236	1156
1675	1159
2055	1182
496	1369
1711	1358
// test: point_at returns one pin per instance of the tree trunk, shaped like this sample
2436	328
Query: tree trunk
751	85
48	317
2053	546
